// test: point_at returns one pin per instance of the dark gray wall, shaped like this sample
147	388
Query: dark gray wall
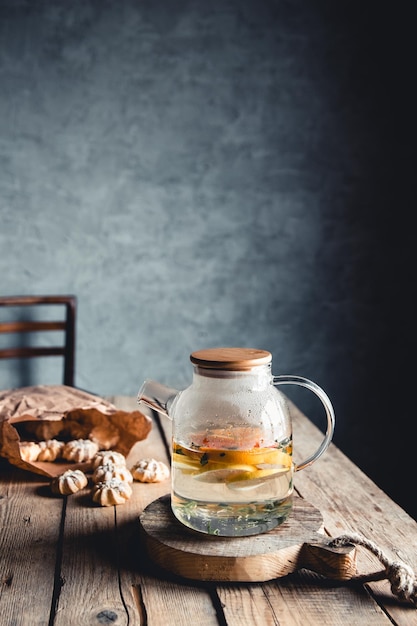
233	172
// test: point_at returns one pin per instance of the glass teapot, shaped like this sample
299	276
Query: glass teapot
232	467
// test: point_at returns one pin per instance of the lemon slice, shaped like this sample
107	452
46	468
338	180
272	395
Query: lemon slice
253	456
182	461
274	466
185	468
257	478
224	474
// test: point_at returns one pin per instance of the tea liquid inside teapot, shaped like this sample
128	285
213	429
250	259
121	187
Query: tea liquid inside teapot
228	491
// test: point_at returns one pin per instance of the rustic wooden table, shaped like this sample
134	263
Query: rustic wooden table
64	561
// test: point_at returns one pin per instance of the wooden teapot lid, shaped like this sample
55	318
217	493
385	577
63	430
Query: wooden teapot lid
237	359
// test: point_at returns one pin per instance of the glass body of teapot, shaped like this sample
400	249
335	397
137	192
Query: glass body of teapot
232	464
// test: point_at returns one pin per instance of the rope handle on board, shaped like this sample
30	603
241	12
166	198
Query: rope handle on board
402	578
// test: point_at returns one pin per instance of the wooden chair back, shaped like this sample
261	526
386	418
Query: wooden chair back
66	325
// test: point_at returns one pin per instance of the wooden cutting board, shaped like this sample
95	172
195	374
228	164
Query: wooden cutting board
296	544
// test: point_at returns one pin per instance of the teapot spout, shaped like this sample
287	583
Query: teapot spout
157	396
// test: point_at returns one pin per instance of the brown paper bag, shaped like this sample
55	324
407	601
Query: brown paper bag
59	412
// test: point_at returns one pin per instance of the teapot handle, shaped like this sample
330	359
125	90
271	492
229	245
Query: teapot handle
325	400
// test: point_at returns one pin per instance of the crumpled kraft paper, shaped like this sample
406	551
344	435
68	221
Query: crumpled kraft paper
59	412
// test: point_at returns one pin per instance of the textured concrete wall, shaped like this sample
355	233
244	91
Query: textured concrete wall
214	173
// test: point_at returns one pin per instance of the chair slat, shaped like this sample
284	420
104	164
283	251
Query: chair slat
30	326
19	353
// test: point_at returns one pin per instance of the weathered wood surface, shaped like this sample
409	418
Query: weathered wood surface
294	545
65	561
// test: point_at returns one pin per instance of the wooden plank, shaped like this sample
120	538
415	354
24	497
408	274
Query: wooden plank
90	553
100	542
29	521
170	604
159	600
299	600
351	502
